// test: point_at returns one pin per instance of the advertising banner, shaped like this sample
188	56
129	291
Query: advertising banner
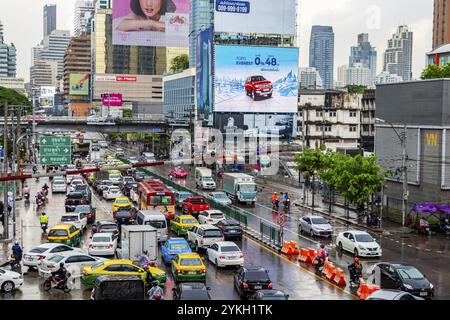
112	100
48	92
255	16
256	79
157	23
46	101
79	84
205	65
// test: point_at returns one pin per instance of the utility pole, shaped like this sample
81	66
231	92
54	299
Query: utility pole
405	176
5	170
381	204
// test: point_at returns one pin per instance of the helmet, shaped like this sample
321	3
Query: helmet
43	213
16	243
155	283
145	252
274	193
61	264
322	246
356	259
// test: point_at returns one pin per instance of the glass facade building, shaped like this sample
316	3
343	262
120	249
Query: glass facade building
179	95
321	53
201	18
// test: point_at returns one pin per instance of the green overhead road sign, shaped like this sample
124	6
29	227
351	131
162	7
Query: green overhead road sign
55	150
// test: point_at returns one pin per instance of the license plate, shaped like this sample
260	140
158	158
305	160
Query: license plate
424	294
192	272
257	287
232	231
232	258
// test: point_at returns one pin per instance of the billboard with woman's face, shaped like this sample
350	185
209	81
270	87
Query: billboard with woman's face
152	23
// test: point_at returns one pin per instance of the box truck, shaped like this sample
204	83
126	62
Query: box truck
135	239
240	187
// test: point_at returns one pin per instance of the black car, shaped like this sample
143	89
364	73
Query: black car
125	216
231	229
269	295
138	176
191	291
84	188
105	226
248	280
102	185
88	211
118	288
404	277
74	199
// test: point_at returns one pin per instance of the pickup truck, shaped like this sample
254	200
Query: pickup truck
74	199
194	205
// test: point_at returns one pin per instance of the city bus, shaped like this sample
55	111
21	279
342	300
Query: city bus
153	194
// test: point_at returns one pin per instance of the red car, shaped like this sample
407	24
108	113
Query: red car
258	86
194	205
179	172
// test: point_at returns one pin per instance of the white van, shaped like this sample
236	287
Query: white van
155	219
204	179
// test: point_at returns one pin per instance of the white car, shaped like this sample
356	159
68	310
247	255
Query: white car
32	258
360	243
78	219
69	177
133	160
204	236
10	280
59	185
225	253
103	144
103	244
211	217
112	192
76	182
119	153
115	178
220	198
73	262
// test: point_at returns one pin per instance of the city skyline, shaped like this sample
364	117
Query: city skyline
378	18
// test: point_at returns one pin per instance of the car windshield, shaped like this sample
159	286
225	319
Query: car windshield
39	250
258	78
97	265
114	176
183	196
212	234
248	188
221	196
122	202
69	218
101	239
82	209
197	201
59	182
56	258
113	189
195	295
410	273
230	249
191	262
57	233
216	215
157	224
133	158
364	238
109	227
180	169
208	179
188	221
260	276
319	221
179	246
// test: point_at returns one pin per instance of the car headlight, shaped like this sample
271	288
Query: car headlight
361	247
408	286
431	286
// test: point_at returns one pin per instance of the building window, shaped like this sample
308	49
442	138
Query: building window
327	128
319	128
353	128
333	114
352	114
319	114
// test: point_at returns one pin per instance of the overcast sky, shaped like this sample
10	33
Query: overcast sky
22	20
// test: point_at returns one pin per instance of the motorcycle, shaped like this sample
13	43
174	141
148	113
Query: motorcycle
27	198
355	277
287	206
39	203
318	263
275	206
15	263
44	227
52	282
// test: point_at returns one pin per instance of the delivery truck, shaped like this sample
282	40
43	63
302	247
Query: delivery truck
135	239
240	187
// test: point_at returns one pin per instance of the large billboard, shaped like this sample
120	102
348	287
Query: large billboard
48	92
156	23
205	65
79	84
255	16
256	79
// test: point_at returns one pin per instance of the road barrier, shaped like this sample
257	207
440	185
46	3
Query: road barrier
329	270
290	248
339	277
365	290
304	255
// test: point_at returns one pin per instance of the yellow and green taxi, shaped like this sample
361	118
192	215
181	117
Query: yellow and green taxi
188	267
181	224
64	233
121	203
90	178
118	267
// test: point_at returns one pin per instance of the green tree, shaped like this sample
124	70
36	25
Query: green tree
445	71
127	114
330	173
12	97
432	71
354	89
180	63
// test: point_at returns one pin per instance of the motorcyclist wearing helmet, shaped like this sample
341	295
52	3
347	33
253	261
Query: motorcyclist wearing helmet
17	253
60	275
155	293
274	197
43	219
355	270
144	260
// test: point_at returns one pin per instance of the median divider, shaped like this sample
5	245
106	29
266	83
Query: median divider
304	255
329	270
290	248
339	277
365	290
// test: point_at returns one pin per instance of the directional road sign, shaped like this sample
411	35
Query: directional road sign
55	150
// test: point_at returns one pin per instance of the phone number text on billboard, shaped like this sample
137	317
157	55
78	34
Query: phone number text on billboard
233	6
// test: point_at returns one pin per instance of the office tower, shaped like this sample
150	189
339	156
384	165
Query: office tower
398	55
321	53
342	75
103	4
201	18
55	45
310	79
441	27
364	54
83	11
358	74
77	59
49	19
8	53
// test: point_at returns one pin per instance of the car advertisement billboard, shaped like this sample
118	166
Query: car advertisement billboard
79	84
112	99
256	79
205	65
255	16
157	23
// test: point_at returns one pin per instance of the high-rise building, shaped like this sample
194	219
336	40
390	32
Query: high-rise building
441	27
310	79
103	4
36	53
7	57
77	59
386	77
398	55
42	74
321	53
49	19
364	54
201	18
342	75
358	74
55	45
83	11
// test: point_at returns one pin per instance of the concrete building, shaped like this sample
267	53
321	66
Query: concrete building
330	118
321	53
342	74
358	74
17	84
83	11
310	79
386	77
422	107
441	26
103	4
201	18
365	55
42	74
8	57
49	21
398	55
54	48
439	56
77	60
179	94
368	107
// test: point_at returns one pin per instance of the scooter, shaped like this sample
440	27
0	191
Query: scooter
52	282
44	227
355	279
287	206
27	198
39	203
319	262
15	263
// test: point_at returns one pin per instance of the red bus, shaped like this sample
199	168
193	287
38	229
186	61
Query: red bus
153	194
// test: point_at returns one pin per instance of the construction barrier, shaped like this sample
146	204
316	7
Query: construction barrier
339	277
312	255
290	248
304	255
329	270
366	290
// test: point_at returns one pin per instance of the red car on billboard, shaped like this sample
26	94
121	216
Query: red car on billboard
179	172
258	86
